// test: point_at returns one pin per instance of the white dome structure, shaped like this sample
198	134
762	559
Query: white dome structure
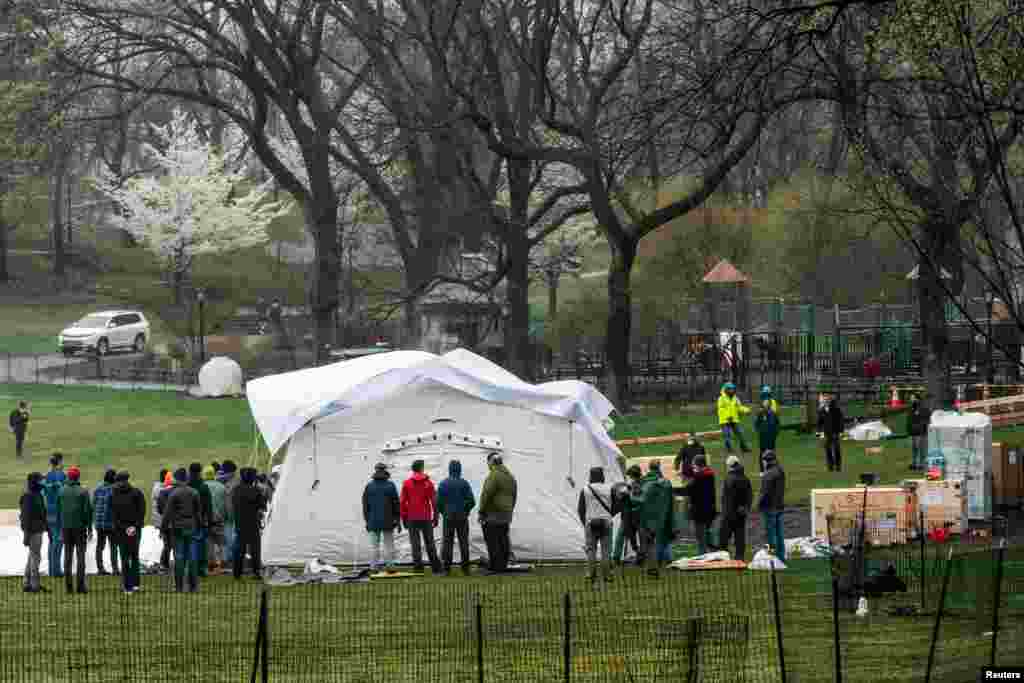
220	376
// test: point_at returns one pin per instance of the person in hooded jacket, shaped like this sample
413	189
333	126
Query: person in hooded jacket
767	425
156	519
166	535
737	498
830	422
228	475
655	515
418	505
629	526
730	411
128	515
33	526
104	525
182	515
455	500
771	503
202	532
497	507
595	511
76	516
382	515
684	459
249	504
918	419
703	511
218	512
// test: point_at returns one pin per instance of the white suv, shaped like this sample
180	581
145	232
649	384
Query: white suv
103	332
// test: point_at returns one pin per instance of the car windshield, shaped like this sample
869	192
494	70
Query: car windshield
93	321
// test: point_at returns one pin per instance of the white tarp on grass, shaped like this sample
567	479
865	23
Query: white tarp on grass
14	554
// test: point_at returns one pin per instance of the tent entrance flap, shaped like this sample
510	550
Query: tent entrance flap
446	438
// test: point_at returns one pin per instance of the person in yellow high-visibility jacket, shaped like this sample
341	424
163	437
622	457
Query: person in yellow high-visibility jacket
730	410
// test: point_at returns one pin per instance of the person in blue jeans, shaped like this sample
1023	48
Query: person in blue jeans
771	503
202	532
52	488
228	476
181	519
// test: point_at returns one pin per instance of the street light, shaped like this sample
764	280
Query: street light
201	299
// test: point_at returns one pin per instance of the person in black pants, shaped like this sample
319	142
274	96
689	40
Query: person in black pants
455	500
830	422
737	499
248	503
18	422
128	516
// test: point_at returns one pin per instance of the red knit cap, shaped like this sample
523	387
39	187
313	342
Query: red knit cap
74	473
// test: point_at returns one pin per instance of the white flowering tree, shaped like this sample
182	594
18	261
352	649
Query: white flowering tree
192	203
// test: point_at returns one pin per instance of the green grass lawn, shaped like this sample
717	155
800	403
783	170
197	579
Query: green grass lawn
426	628
140	431
802	455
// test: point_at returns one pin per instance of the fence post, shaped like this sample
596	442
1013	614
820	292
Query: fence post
838	678
567	653
778	623
921	533
479	640
1001	555
9	376
938	617
259	662
37	368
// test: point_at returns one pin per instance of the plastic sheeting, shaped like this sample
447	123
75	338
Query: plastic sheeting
960	446
14	555
869	431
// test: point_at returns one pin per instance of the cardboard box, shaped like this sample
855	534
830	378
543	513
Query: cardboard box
889	513
942	502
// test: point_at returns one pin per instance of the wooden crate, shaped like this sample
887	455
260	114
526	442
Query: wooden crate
943	502
1007	475
889	513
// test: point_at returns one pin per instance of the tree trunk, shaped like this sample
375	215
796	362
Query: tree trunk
5	276
322	222
552	283
620	320
517	279
933	293
57	214
412	331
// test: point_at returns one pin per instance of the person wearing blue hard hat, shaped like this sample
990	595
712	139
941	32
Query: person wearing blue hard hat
767	423
730	409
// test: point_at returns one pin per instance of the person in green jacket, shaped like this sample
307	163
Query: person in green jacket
654	512
497	505
218	505
200	551
767	426
75	509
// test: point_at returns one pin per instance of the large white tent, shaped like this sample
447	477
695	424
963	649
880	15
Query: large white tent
339	420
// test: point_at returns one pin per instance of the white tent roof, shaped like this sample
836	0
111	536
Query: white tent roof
283	404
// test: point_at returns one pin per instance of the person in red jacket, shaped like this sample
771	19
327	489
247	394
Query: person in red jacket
418	509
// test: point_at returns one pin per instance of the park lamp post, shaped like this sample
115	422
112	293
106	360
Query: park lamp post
990	295
201	300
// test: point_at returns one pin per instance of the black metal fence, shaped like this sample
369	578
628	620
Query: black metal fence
552	625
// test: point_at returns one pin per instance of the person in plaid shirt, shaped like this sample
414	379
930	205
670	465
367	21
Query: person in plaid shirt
104	522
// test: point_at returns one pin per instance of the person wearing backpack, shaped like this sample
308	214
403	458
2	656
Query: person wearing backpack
595	510
767	425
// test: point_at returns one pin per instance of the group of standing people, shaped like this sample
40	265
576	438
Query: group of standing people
205	517
58	505
421	507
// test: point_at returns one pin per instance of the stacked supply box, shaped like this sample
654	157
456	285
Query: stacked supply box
961	447
943	504
889	514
